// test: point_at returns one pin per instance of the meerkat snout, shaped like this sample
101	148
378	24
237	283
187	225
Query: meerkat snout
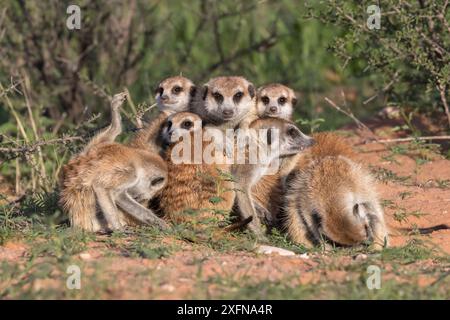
276	100
298	141
174	94
283	135
226	101
179	125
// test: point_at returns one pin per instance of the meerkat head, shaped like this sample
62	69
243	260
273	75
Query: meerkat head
178	125
226	100
349	228
283	136
175	94
276	100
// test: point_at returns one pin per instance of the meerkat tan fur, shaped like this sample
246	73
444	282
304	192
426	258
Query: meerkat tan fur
291	141
114	178
191	185
224	102
276	100
174	94
331	197
230	103
273	100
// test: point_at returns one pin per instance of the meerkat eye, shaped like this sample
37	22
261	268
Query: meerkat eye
238	96
177	89
218	97
293	132
282	100
265	100
169	125
187	124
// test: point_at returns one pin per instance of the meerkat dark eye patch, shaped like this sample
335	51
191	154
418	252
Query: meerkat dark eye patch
282	100
187	124
177	90
169	125
157	181
238	96
204	92
193	91
218	97
293	132
294	101
159	90
265	100
251	90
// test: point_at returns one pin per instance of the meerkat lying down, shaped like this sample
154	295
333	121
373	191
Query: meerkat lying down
114	178
330	197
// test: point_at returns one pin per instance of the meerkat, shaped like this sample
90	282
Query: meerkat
230	103
291	142
275	100
330	197
192	185
224	102
113	177
174	94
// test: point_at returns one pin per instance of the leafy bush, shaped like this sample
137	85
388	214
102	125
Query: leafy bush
409	53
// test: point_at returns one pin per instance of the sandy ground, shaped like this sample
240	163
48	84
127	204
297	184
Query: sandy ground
416	196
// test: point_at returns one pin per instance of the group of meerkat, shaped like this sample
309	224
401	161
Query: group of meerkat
319	194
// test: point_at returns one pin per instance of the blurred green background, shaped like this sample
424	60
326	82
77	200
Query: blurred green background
135	44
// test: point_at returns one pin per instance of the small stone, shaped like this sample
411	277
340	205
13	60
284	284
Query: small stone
85	256
360	257
304	256
270	250
168	287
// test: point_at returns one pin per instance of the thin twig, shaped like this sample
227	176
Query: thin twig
412	139
442	89
35	146
349	114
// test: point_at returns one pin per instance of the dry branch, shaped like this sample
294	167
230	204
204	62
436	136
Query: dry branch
30	148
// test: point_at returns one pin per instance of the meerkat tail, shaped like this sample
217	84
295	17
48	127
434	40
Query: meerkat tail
80	205
395	231
110	133
239	225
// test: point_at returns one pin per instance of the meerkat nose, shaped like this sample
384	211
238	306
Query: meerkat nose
273	109
165	97
227	112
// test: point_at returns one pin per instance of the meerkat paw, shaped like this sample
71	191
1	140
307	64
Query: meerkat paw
257	232
118	99
159	223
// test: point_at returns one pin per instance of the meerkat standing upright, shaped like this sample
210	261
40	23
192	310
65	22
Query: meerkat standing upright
276	100
284	139
224	102
174	94
113	176
192	185
272	100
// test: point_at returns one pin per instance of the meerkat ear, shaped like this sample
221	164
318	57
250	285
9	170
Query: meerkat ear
204	92
294	101
193	91
251	90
